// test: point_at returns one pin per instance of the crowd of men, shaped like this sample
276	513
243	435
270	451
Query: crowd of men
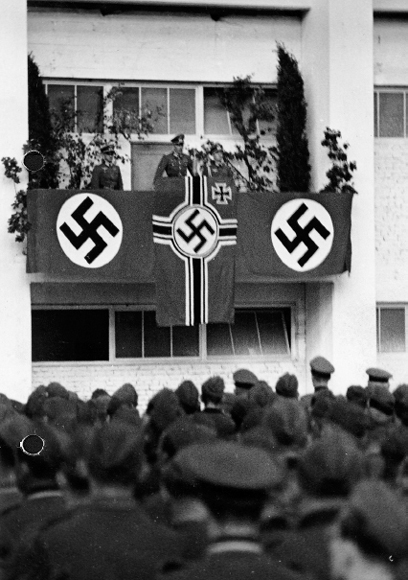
206	484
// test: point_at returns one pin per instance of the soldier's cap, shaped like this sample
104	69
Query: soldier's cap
188	395
357	394
261	394
380	398
127	394
287	420
376	520
244	378
217	147
214	388
351	417
164	408
321	366
331	465
178	139
184	432
108	147
401	392
231	465
287	386
55	389
378	375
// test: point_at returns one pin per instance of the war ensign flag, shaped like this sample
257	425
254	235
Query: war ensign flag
195	233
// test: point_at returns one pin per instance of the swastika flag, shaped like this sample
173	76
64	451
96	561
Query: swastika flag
294	235
195	232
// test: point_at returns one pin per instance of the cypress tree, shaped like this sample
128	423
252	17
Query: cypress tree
40	131
293	161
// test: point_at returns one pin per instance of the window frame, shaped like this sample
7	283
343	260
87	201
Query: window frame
376	121
203	357
158	137
391	306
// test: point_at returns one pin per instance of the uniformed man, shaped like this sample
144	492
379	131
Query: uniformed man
321	370
176	163
217	166
234	482
107	175
378	377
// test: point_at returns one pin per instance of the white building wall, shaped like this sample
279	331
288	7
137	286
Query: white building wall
158	47
15	327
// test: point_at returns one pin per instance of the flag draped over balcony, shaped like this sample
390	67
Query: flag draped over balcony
195	232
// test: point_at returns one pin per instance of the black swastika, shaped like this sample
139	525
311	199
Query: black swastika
302	234
89	230
195	231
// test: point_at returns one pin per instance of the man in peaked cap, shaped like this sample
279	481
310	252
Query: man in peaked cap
378	377
217	167
243	380
233	481
107	175
176	163
321	370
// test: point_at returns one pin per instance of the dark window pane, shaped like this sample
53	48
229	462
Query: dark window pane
155	101
61	99
245	334
219	340
126	106
268	128
392	329
182	111
70	335
185	341
215	115
375	115
391	114
128	334
156	339
90	109
272	332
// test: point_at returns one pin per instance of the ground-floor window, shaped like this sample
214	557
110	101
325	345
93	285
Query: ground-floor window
391	324
118	334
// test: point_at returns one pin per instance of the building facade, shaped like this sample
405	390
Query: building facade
173	57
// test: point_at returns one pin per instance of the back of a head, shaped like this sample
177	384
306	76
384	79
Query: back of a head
163	409
188	396
212	390
261	394
331	466
350	417
287	386
127	395
115	454
287	420
357	395
55	389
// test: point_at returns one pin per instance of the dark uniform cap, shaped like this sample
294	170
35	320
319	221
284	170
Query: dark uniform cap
261	394
331	465
244	377
188	395
357	394
57	390
178	139
380	398
376	517
287	386
164	409
231	465
108	147
127	394
378	375
321	365
401	392
287	419
351	417
213	387
217	147
184	432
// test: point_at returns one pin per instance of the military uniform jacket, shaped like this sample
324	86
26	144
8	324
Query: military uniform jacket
218	171
235	559
106	177
174	165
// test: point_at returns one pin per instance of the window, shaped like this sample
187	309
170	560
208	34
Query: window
82	104
390	113
192	110
391	329
172	110
111	334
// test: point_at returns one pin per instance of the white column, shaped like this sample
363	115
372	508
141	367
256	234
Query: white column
15	318
337	65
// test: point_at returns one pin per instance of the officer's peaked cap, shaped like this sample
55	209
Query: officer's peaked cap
321	365
178	139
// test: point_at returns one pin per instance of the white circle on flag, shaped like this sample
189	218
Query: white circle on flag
302	234
89	230
195	231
